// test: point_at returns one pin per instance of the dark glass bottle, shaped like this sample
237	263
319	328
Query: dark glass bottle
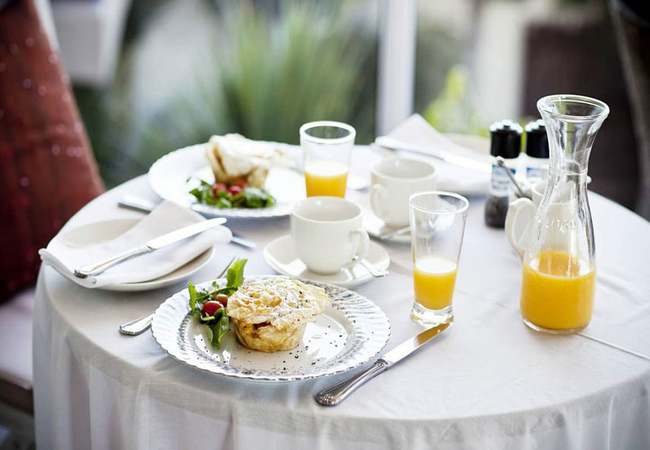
506	143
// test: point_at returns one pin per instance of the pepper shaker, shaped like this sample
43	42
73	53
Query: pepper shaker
506	143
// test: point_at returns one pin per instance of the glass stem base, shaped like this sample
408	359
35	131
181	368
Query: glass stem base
532	326
431	317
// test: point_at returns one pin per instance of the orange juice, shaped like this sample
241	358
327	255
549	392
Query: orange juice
326	178
434	279
557	292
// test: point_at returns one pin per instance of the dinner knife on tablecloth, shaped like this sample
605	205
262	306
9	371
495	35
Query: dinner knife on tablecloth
154	244
334	395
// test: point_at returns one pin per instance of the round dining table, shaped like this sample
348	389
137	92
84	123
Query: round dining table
489	382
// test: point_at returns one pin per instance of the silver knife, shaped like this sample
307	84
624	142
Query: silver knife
468	163
154	244
145	206
334	395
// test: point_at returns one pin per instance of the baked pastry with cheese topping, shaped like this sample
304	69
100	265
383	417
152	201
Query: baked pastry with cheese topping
234	158
271	315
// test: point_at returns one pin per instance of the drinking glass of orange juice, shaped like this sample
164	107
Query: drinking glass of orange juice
327	148
437	227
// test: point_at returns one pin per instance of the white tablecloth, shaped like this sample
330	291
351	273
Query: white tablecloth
488	383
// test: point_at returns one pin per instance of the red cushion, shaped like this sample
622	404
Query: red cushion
47	170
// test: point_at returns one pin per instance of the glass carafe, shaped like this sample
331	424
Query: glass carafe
559	274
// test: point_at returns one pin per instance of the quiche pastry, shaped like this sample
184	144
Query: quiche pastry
271	315
234	158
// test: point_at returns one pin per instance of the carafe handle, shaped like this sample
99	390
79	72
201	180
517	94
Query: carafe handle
518	224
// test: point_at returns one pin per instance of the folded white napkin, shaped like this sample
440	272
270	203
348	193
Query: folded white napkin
67	252
416	134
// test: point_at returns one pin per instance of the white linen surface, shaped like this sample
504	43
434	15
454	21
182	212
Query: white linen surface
489	383
417	133
65	254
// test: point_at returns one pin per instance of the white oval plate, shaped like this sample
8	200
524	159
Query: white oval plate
281	255
346	335
98	232
169	175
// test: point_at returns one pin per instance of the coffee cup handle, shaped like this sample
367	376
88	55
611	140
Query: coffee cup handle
362	247
378	195
518	222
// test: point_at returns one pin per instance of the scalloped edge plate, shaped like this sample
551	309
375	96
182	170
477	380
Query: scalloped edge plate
348	334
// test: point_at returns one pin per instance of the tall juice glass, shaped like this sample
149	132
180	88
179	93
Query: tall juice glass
327	148
437	227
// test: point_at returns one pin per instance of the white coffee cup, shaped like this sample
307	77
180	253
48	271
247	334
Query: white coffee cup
327	234
394	180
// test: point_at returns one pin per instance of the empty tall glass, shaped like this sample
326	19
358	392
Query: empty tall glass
437	228
327	148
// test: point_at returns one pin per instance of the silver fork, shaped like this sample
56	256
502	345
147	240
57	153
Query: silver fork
139	326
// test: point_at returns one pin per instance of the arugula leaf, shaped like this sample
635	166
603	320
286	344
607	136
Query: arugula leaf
217	315
193	295
223	203
250	197
210	334
219	323
235	276
206	318
219	330
196	192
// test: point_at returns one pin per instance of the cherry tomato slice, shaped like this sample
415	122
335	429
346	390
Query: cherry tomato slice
211	307
223	299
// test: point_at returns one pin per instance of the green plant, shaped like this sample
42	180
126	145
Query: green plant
269	72
269	75
452	111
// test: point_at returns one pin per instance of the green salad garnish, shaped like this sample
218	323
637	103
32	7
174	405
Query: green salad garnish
235	196
211	306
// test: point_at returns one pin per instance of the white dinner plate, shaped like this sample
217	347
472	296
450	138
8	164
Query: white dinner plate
346	335
281	255
169	179
106	230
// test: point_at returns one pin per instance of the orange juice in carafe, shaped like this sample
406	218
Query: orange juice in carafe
433	281
557	291
559	275
326	178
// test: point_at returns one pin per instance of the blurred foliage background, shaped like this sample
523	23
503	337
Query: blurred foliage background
193	68
270	66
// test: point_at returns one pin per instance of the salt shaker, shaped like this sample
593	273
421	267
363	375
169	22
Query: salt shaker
537	154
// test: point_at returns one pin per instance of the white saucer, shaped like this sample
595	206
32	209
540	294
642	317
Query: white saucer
98	232
281	256
377	227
